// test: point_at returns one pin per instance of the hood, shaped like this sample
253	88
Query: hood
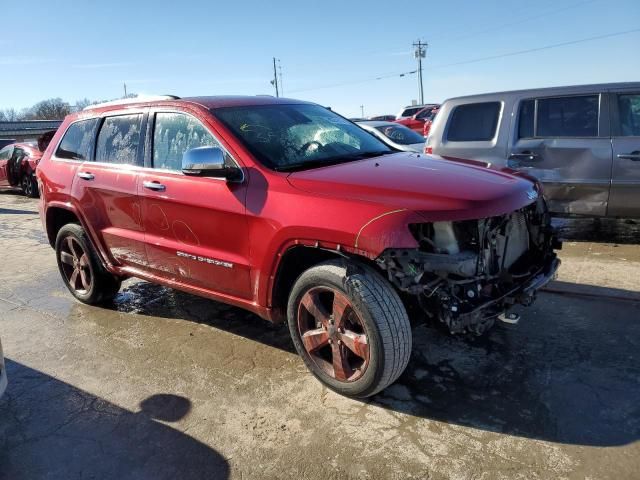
436	188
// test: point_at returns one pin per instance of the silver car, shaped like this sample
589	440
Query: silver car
582	142
395	135
3	373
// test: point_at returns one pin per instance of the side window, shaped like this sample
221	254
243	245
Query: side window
5	153
174	134
526	119
78	140
118	140
568	116
629	111
474	122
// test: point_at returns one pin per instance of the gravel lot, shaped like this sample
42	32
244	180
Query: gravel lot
166	385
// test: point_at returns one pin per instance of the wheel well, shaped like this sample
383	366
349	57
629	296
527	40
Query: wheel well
56	219
293	263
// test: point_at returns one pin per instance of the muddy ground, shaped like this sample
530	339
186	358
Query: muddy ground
166	385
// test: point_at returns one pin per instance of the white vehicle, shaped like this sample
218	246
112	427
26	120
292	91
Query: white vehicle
3	373
395	135
411	110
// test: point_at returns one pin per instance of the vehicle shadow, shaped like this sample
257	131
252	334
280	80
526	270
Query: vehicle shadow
11	211
568	373
50	429
145	298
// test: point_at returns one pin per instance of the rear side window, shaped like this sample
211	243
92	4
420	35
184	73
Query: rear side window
119	139
474	122
629	110
174	134
78	140
568	116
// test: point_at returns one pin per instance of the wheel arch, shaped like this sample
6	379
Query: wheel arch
292	263
58	215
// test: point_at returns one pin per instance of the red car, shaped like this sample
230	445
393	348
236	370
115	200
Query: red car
417	122
18	163
426	128
289	210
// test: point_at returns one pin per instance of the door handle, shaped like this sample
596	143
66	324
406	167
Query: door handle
157	186
525	157
86	175
635	156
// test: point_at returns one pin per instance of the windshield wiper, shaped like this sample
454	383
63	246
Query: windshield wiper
292	167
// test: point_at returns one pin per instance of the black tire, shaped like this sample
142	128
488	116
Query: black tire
377	307
29	186
74	251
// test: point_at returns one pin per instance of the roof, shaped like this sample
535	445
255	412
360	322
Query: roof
27	128
206	102
28	125
567	88
241	101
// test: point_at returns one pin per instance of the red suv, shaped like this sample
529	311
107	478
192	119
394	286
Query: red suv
291	211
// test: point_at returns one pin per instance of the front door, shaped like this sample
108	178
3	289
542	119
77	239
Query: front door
196	230
107	189
625	182
564	142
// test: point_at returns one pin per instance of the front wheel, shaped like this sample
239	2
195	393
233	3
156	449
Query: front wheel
350	327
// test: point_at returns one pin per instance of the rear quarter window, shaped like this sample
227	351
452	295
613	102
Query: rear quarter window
474	122
77	141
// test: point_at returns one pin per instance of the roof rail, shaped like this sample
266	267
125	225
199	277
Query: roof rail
138	99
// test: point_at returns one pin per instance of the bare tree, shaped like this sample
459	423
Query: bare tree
51	109
9	115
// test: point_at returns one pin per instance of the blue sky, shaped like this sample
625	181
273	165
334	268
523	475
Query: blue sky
78	49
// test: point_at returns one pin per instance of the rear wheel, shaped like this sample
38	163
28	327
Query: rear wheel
350	327
29	186
81	270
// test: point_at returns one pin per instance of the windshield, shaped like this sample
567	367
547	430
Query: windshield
400	134
295	137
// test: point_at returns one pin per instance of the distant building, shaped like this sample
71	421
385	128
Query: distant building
27	130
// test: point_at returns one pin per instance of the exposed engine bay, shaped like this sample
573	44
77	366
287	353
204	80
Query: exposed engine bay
467	273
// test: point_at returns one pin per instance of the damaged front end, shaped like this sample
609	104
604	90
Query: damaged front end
467	273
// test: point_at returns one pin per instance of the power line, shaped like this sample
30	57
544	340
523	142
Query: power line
518	22
475	60
537	49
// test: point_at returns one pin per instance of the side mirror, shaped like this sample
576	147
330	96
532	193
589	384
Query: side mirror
208	162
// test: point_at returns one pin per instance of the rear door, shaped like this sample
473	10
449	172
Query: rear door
196	227
624	200
564	142
107	188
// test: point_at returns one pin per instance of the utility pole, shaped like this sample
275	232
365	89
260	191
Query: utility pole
274	82
419	53
280	72
362	111
125	90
